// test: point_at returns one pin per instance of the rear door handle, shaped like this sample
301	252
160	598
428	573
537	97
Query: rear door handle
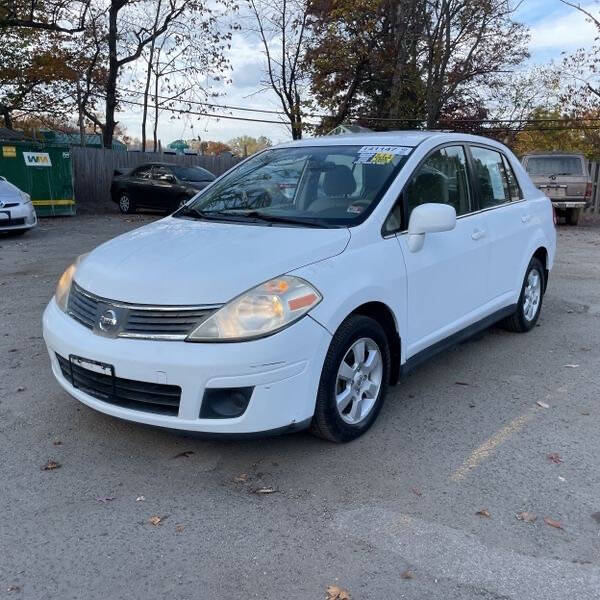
525	218
478	234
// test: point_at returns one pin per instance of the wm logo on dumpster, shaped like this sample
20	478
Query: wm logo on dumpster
37	159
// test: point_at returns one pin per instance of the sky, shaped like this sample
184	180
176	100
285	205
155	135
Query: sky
554	27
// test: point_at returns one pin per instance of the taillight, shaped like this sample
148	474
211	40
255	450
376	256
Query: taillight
588	191
554	216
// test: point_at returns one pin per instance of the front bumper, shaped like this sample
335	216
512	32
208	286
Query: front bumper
284	369
18	217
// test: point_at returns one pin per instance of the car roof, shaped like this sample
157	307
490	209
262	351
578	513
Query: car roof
553	153
409	138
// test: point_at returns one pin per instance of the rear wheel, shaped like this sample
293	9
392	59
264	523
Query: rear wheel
126	205
530	300
353	381
573	216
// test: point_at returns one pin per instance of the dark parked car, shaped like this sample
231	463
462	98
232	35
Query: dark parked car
158	186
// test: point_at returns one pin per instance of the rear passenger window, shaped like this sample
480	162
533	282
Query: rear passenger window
513	185
441	179
490	177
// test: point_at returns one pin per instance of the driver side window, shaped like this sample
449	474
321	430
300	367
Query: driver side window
442	179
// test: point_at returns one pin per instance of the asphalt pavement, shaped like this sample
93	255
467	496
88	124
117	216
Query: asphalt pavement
423	506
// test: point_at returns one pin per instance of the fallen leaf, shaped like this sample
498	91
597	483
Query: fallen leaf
416	491
20	389
571	366
555	457
552	523
461	383
13	588
140	498
57	442
264	490
407	574
155	520
51	465
542	404
335	592
241	478
184	454
585	349
561	478
585	413
179	528
483	513
527	517
106	499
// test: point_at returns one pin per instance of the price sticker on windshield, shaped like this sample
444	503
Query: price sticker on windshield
380	155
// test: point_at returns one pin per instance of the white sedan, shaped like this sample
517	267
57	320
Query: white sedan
17	214
254	310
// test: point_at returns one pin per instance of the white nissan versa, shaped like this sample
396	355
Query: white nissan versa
292	290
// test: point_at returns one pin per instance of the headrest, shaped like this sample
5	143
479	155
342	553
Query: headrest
339	181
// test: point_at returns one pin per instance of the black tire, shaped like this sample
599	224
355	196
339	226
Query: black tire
126	205
327	422
573	216
518	322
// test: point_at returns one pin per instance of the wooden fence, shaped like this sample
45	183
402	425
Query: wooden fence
594	168
93	170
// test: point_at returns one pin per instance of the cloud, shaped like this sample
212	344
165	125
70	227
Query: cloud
563	31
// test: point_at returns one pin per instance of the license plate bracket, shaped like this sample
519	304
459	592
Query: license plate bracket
95	366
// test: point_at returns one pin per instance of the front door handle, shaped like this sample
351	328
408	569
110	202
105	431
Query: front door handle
478	234
525	218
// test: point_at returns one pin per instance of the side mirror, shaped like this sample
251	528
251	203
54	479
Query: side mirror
429	218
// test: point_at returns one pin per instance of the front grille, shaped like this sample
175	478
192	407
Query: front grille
82	307
128	393
12	222
137	321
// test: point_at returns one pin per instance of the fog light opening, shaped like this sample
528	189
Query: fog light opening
225	403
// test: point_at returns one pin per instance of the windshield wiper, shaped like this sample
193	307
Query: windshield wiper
210	215
320	223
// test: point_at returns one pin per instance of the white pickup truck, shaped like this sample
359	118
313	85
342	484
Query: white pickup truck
564	178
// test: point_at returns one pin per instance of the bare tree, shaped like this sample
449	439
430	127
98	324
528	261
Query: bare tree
283	26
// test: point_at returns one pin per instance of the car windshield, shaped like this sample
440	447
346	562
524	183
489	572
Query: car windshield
311	186
554	165
192	174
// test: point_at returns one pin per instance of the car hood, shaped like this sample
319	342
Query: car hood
178	261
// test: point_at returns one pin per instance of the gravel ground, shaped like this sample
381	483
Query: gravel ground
392	515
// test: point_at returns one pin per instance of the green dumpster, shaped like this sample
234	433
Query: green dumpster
41	170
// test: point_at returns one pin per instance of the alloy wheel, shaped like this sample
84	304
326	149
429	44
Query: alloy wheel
358	381
532	294
124	203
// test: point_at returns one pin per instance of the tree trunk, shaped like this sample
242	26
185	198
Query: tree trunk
148	77
155	132
5	112
113	73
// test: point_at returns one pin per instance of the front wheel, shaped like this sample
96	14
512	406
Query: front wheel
530	300
353	381
125	204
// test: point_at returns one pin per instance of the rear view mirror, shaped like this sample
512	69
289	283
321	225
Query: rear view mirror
429	218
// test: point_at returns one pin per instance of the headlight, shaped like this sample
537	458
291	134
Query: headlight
64	284
260	311
25	197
